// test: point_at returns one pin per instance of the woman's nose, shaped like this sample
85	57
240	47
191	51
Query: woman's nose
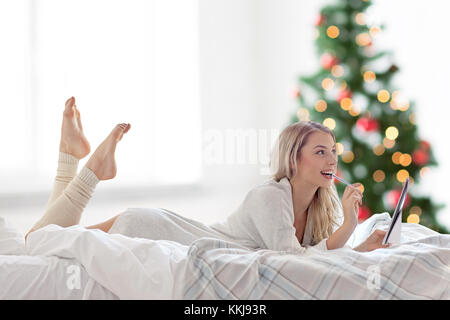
332	159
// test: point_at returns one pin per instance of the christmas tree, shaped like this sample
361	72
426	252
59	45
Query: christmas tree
374	123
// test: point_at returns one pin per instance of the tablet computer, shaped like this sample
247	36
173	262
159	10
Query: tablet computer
394	228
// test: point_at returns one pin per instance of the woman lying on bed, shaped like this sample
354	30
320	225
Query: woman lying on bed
297	208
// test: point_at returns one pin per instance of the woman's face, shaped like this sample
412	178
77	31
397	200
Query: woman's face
318	155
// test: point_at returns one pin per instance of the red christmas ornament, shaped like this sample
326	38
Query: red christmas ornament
361	124
328	61
344	94
394	195
319	20
425	145
363	213
420	157
367	124
295	93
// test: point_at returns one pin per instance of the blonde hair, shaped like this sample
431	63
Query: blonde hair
325	209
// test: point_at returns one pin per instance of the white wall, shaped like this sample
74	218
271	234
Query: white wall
227	77
286	50
251	53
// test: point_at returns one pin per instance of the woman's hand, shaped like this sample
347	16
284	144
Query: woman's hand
374	241
351	199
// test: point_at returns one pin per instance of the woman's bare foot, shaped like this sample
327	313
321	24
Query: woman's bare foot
73	140
102	162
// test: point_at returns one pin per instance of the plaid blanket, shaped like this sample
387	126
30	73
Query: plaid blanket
417	269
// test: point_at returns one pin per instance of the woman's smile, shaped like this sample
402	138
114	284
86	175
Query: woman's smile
326	176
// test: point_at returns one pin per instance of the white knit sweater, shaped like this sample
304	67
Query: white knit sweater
266	219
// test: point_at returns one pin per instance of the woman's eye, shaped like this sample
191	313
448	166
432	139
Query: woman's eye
334	151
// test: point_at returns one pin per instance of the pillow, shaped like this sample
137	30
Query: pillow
410	231
12	242
366	228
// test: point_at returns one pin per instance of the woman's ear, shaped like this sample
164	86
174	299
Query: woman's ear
294	167
297	159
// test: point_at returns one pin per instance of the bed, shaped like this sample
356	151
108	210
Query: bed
79	263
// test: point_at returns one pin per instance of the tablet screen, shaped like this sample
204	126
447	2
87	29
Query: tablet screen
398	210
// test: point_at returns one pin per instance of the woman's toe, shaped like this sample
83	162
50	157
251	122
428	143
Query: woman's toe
68	110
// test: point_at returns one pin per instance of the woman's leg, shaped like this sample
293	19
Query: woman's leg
73	146
66	171
104	226
66	209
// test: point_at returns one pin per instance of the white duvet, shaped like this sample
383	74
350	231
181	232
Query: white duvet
115	266
24	276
